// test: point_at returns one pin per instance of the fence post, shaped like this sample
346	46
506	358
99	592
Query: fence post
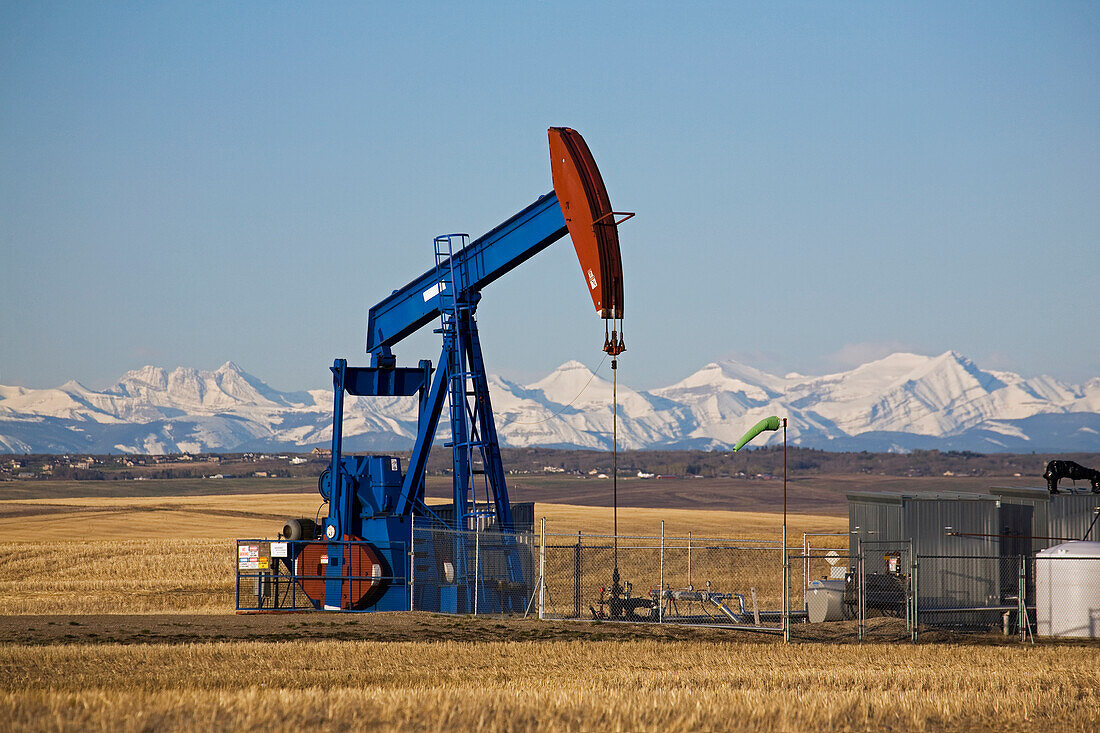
860	590
908	589
690	586
786	596
1021	596
238	575
542	569
477	560
661	590
913	591
805	573
577	577
916	597
412	561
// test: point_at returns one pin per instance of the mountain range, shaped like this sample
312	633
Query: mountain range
899	403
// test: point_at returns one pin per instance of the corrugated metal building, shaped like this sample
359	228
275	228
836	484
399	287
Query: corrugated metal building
968	545
930	520
1048	518
948	526
948	523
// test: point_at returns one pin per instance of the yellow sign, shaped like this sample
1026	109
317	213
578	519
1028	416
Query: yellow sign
263	563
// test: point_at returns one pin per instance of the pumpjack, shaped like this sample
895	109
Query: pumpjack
1058	470
360	554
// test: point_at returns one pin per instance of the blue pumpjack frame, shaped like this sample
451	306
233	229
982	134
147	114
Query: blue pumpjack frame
363	502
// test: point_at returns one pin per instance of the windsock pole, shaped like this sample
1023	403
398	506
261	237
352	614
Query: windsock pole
774	423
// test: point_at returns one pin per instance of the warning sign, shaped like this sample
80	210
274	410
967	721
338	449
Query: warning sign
278	549
248	557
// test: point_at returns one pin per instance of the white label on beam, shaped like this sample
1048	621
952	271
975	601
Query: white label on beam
434	291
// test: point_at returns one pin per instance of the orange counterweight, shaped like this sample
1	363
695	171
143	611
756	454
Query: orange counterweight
590	219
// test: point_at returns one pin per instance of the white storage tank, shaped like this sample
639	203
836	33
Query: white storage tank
825	601
1067	590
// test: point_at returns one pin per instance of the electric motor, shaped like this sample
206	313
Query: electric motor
300	529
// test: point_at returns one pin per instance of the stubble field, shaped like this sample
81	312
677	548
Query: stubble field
546	685
169	655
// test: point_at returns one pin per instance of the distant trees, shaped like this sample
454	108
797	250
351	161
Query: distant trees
766	460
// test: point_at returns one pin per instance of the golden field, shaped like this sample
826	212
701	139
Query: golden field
172	558
231	516
176	554
554	686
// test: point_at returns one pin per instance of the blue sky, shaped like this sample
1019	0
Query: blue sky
815	184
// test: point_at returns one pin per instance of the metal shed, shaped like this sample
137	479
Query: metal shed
1049	519
954	536
941	523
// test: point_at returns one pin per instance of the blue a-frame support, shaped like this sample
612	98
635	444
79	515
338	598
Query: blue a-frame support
449	292
368	506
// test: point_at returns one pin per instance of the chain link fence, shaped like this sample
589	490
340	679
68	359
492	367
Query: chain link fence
1054	593
891	594
821	591
479	572
661	579
976	593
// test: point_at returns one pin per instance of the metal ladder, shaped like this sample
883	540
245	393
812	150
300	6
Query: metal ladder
466	441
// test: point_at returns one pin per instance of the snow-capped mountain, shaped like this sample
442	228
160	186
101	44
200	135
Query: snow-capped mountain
900	402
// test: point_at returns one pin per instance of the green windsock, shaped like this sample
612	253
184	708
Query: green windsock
768	423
